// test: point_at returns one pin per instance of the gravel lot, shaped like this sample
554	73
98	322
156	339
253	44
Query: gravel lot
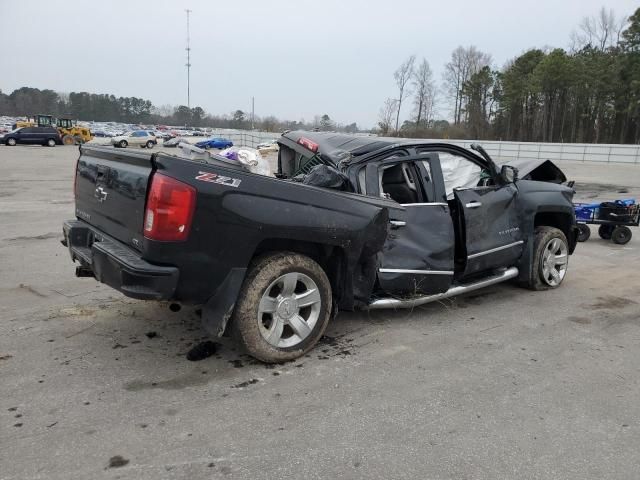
503	383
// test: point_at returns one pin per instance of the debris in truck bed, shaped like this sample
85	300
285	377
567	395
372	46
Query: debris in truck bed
327	177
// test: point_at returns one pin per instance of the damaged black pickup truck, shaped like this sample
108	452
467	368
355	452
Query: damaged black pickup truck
271	258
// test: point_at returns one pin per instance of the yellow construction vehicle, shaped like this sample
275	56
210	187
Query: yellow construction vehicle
69	130
35	121
71	133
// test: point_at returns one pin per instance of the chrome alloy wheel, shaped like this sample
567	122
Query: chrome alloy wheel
289	309
555	257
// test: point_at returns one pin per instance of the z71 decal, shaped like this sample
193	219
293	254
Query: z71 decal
215	178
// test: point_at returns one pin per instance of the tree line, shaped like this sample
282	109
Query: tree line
588	94
28	101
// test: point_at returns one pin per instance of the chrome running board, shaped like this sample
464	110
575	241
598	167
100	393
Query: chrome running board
381	303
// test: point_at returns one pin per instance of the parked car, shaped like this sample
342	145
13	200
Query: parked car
137	137
219	143
270	146
161	134
172	142
47	136
374	223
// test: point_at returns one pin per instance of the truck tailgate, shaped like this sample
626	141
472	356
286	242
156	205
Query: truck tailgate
111	189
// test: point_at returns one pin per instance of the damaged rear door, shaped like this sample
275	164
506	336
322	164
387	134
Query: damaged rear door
418	255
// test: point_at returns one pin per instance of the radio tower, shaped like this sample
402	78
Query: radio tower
188	65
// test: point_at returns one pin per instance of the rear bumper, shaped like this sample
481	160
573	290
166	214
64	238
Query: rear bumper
115	264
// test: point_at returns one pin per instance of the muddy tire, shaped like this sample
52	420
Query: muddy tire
584	232
550	259
68	140
283	307
621	235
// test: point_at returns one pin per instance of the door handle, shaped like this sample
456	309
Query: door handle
397	223
474	204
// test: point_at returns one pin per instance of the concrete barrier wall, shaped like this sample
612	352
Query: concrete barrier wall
581	152
500	151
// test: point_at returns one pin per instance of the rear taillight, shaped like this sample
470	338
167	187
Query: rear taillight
170	206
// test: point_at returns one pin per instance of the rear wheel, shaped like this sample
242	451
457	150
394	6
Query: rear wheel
68	140
584	232
550	259
123	144
149	144
605	231
621	235
51	142
283	307
11	142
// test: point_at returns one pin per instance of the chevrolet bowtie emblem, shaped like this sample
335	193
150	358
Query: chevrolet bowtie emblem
101	194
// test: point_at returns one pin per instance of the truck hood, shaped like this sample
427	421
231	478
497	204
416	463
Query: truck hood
539	170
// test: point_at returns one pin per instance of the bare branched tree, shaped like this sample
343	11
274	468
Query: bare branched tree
464	63
402	76
385	117
424	93
600	31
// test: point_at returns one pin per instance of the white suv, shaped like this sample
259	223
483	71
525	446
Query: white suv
137	137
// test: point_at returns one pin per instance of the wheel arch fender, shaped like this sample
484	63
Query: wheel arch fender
218	310
558	218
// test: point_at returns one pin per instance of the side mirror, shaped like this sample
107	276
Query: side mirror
509	174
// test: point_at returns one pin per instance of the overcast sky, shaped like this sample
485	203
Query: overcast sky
299	58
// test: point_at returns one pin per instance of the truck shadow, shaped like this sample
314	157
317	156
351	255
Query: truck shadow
154	341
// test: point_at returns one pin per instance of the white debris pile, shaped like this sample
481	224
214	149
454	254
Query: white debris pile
249	158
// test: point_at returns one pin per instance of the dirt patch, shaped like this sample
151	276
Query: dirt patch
44	236
610	302
593	190
253	381
30	289
178	383
72	312
579	320
117	461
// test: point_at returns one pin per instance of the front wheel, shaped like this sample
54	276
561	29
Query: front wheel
149	144
123	144
11	142
283	307
550	259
